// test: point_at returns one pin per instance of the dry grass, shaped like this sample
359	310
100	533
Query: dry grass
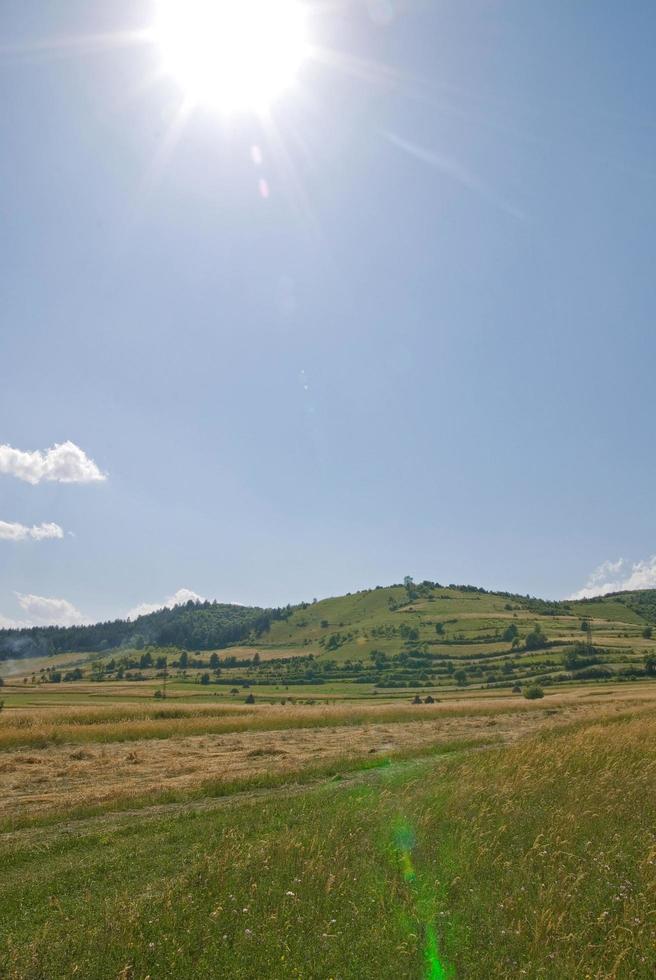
63	776
45	726
88	770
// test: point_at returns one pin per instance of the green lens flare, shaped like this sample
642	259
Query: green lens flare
434	968
404	839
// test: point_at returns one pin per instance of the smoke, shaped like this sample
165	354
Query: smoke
15	648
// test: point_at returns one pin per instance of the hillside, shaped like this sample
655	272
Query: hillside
426	633
192	626
378	640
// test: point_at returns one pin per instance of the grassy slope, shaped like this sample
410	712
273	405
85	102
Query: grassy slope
473	623
534	860
363	619
463	613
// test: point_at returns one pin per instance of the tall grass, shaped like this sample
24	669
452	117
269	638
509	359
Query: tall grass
550	848
77	725
535	860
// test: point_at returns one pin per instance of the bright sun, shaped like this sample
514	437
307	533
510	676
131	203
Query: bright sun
235	54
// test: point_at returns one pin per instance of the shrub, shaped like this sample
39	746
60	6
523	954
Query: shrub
533	691
594	673
535	640
576	656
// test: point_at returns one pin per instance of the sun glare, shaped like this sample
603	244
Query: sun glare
239	55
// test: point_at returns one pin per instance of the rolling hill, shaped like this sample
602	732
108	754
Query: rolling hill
403	636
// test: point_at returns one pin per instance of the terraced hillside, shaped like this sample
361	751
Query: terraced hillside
419	637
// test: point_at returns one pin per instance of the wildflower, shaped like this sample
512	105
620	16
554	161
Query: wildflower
291	894
248	932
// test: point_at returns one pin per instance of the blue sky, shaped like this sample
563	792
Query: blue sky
429	351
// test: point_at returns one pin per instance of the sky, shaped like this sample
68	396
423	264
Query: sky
402	323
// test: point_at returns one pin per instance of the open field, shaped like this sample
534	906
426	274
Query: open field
483	836
82	758
527	850
361	790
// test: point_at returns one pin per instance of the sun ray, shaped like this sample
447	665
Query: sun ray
82	44
165	149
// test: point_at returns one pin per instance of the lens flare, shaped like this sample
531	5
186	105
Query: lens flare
404	840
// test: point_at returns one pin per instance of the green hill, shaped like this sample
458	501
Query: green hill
381	639
449	620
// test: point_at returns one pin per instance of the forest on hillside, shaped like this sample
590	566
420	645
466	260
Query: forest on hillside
192	626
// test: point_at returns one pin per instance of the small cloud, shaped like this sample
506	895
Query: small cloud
43	611
21	532
619	576
62	463
10	624
177	599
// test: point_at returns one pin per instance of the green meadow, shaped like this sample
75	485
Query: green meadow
534	859
418	781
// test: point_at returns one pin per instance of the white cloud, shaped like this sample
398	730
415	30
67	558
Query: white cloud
10	624
177	599
42	611
63	463
21	532
619	576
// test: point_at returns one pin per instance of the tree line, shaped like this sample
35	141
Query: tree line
190	626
